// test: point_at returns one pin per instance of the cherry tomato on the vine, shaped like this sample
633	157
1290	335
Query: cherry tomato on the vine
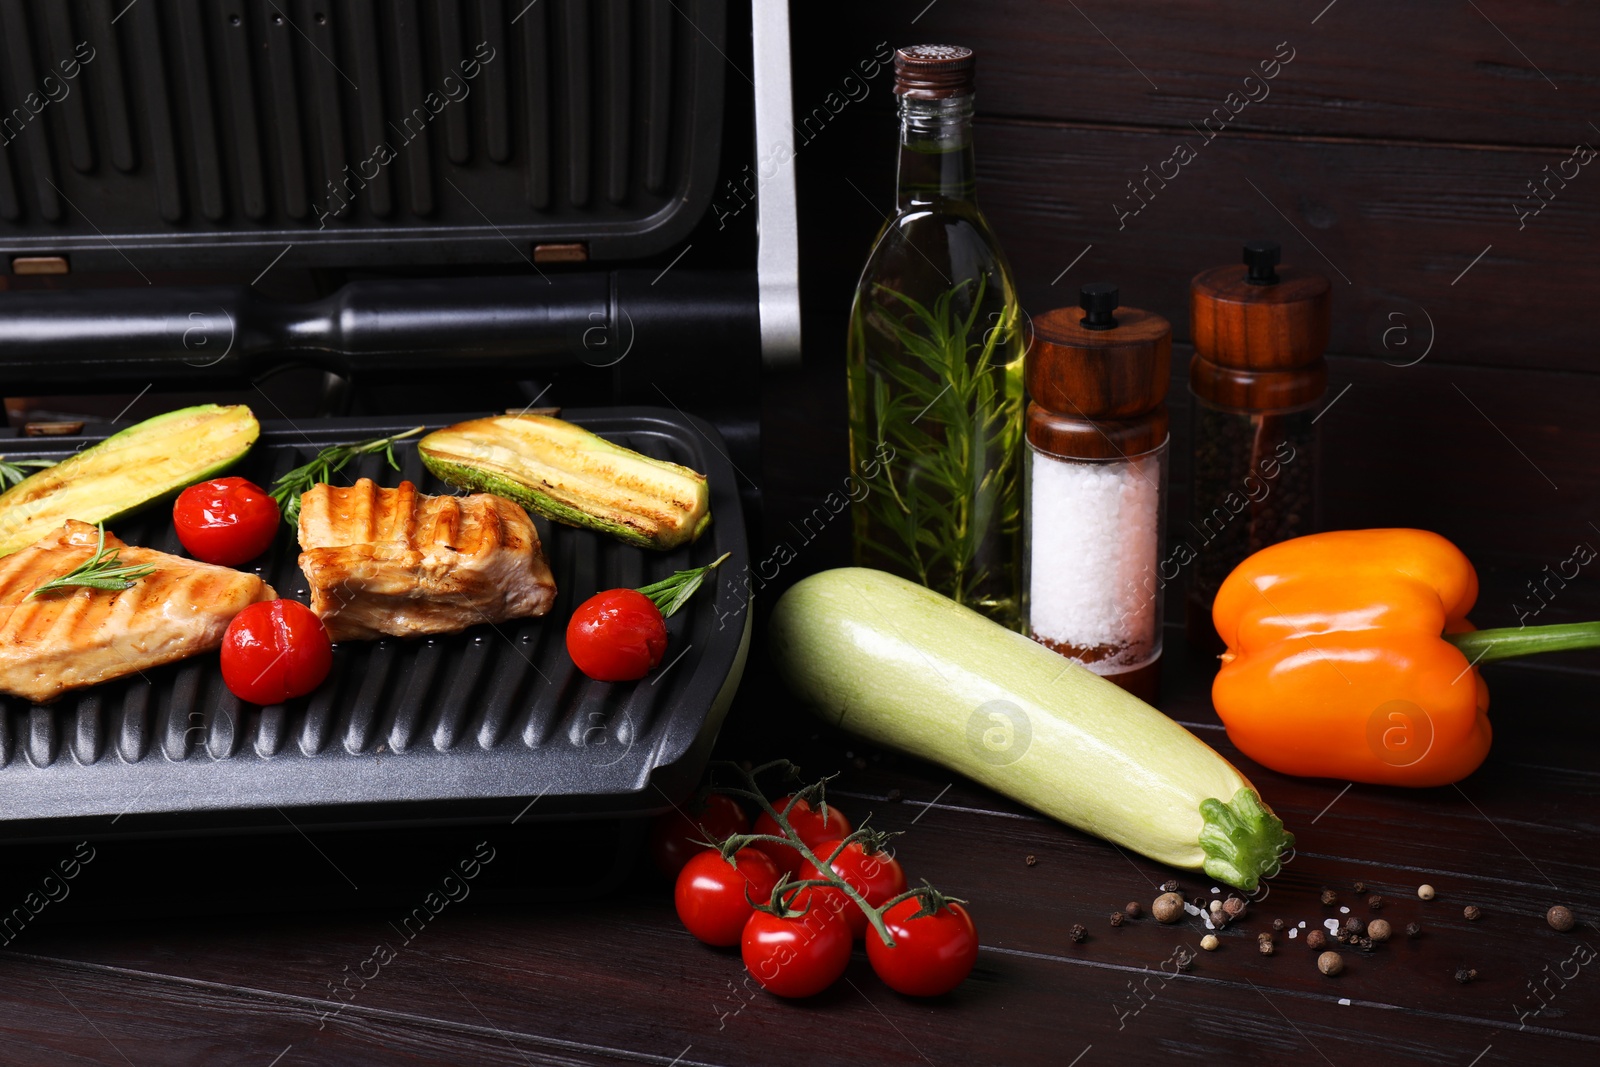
227	521
677	835
617	636
274	651
808	823
932	954
798	956
877	876
714	897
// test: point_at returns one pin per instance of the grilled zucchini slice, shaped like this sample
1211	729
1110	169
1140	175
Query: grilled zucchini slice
141	465
572	476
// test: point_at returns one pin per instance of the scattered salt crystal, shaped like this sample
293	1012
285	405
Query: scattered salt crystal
1293	933
1332	925
1214	889
1345	1001
1302	924
1344	911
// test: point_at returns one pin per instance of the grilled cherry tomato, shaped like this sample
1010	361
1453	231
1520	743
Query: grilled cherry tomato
877	876
275	651
617	636
799	956
932	954
227	521
675	836
714	896
809	824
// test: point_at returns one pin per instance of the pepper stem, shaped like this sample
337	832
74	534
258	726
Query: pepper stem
1487	646
1242	840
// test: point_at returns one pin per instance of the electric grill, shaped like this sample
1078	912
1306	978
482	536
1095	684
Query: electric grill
500	194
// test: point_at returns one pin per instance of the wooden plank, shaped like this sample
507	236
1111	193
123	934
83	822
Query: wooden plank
1504	73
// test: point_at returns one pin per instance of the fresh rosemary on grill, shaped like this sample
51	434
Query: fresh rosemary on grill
103	570
14	470
288	489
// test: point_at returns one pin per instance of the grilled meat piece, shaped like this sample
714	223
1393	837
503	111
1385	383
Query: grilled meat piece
396	561
79	636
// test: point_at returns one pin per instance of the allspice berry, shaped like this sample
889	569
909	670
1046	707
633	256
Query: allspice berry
1471	913
1315	940
1168	908
1133	909
1330	963
1378	930
1233	907
1559	918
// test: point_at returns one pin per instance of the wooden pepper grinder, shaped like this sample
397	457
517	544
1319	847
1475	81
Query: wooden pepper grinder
1257	376
1096	481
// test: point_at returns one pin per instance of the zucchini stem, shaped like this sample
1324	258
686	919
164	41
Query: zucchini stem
1487	646
1242	840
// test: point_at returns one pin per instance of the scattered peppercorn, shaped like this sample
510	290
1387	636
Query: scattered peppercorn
1315	940
1133	909
1360	887
1378	930
1559	918
1209	942
1277	924
1116	918
1330	963
1425	892
1078	933
1362	943
1354	926
1342	936
1032	861
1168	908
1265	947
1330	897
1170	885
1185	960
1375	902
1465	974
1413	929
1233	907
1471	913
895	794
1264	936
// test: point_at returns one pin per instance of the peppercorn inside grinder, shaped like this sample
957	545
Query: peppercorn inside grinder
1095	501
1257	377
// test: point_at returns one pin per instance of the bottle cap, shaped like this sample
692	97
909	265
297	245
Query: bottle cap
1098	378
933	71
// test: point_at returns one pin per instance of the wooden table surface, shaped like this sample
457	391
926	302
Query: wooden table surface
211	980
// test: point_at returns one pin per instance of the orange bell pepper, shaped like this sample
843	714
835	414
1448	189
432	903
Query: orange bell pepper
1350	656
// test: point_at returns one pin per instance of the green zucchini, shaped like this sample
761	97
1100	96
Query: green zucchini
572	476
905	667
150	461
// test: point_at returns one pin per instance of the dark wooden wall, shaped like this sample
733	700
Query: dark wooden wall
1393	151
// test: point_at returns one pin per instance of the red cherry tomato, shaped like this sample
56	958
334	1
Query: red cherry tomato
617	636
675	836
931	955
227	521
799	956
808	824
274	651
877	876
714	896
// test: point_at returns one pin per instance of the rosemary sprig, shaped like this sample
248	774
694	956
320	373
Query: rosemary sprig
672	593
288	489
100	571
12	472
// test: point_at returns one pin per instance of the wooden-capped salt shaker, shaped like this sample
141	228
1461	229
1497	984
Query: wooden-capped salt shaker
1257	377
1096	485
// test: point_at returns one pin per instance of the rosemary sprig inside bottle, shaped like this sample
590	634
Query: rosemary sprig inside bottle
103	570
674	591
13	471
288	489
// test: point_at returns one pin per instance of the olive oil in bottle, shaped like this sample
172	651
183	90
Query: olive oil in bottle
935	363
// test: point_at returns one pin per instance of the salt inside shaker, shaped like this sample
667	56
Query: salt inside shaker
1096	428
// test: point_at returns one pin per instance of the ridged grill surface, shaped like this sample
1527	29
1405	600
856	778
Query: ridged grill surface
495	712
200	132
